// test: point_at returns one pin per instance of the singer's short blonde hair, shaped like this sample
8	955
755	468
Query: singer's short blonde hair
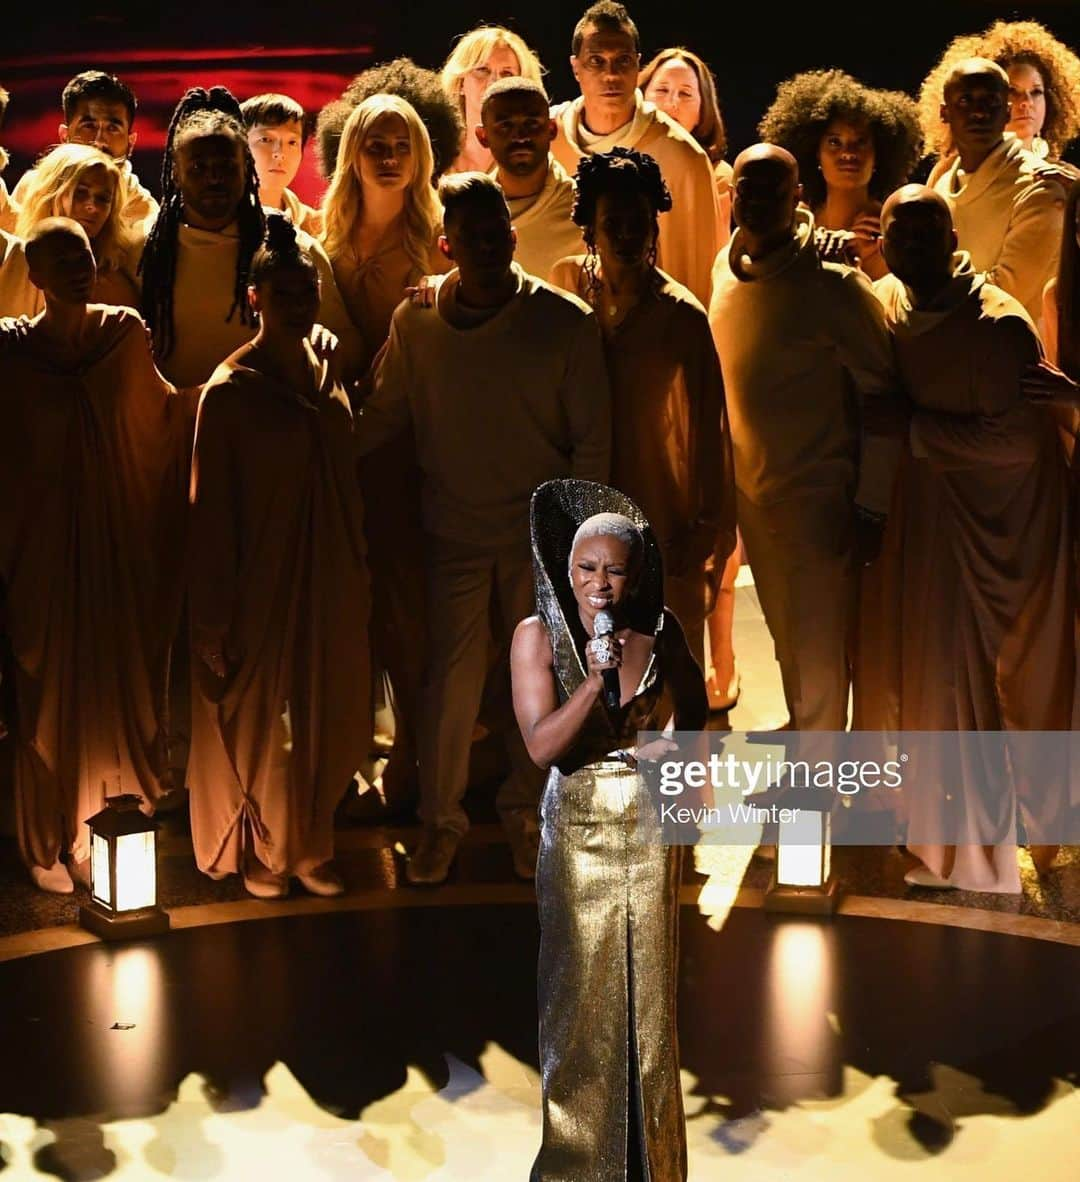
610	525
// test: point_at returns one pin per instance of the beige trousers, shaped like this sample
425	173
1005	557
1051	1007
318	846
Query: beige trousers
476	596
800	555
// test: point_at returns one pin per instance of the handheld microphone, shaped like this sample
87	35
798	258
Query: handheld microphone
604	625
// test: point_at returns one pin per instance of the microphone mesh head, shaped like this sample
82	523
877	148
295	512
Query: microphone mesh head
603	624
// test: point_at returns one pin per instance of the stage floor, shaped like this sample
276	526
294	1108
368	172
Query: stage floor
401	1044
391	1034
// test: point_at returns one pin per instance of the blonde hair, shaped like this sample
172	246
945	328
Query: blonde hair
343	205
474	48
55	178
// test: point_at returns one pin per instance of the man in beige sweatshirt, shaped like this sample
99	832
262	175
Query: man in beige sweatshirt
803	349
611	113
503	383
518	130
1006	204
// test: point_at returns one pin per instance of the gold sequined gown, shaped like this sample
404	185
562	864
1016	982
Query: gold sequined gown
608	900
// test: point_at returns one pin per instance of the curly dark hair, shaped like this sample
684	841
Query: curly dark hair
622	170
1007	43
419	87
805	106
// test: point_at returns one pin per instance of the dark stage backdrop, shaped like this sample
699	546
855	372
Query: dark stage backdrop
311	49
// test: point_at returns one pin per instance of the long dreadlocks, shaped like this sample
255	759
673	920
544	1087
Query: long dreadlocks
213	112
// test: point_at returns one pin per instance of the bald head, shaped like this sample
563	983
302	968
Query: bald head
766	193
60	261
918	239
975	105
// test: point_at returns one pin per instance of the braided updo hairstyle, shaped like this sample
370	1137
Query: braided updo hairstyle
622	171
280	250
204	112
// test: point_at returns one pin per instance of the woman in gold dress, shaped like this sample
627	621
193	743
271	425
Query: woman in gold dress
608	888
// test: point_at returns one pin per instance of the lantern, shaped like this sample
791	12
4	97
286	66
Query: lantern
803	883
123	873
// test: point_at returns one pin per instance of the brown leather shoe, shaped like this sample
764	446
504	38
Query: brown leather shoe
429	864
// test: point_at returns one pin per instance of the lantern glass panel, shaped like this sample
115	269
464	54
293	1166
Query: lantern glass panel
99	870
800	860
136	880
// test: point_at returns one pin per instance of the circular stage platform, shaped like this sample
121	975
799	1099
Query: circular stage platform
400	1043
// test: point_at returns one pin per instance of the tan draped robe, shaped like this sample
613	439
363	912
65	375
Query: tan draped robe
986	599
671	452
93	468
18	296
278	575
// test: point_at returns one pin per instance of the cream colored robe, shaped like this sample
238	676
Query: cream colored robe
8	215
545	233
302	216
277	573
671	451
690	232
985	597
204	334
139	209
1007	216
804	351
18	296
93	468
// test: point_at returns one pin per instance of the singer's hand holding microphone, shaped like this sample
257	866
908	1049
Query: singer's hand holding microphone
604	656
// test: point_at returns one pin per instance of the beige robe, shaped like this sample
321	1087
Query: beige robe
545	233
93	470
204	333
8	212
804	352
18	296
303	216
277	573
139	208
985	596
725	175
690	230
1007	216
671	452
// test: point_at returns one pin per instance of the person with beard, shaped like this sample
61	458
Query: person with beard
518	131
99	110
502	380
1006	204
611	113
93	478
197	253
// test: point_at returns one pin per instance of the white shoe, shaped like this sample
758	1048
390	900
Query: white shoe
923	876
324	881
54	879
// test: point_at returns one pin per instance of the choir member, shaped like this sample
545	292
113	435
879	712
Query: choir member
278	593
93	476
276	134
670	448
802	344
482	56
987	596
99	110
84	184
503	382
1061	307
1044	88
1006	204
517	129
195	261
681	85
7	210
611	113
420	88
382	227
854	146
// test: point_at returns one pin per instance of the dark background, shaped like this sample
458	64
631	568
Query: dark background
311	49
